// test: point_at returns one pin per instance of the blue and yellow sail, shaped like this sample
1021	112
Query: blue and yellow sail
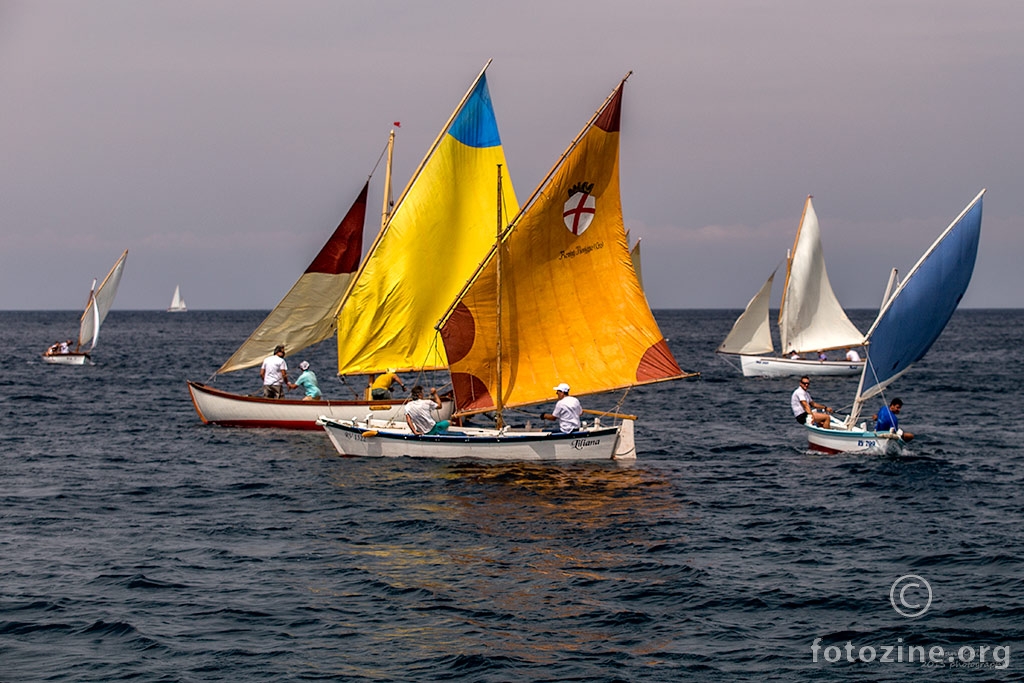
440	230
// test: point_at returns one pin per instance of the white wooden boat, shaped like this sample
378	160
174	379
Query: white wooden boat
909	322
518	328
383	310
234	410
100	300
177	303
767	366
810	320
376	438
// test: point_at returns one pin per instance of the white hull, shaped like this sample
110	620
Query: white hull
842	440
67	359
235	410
768	366
379	439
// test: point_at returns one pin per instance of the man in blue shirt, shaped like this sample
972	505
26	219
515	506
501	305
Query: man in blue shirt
888	419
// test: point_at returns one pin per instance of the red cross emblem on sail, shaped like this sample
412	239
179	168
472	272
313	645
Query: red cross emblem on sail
579	211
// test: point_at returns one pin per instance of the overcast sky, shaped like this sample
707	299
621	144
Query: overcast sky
222	141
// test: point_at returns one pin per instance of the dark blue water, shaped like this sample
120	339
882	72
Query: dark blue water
138	544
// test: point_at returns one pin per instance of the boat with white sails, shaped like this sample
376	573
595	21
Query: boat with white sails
100	300
177	303
556	299
384	309
909	322
810	321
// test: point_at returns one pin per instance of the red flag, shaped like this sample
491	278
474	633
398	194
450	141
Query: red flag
397	124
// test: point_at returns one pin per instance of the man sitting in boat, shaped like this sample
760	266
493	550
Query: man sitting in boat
803	406
888	420
65	346
418	413
567	411
307	380
793	355
852	356
53	350
380	390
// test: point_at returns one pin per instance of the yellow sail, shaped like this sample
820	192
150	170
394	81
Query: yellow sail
572	306
440	230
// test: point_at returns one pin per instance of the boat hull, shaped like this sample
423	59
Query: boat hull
235	410
377	439
68	359
767	366
841	440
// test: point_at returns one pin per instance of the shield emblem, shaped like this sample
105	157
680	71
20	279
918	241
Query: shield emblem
578	212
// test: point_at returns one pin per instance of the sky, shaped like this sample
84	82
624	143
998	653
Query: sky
221	142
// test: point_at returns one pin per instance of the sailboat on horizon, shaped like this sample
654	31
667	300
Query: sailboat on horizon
96	308
177	303
557	299
810	320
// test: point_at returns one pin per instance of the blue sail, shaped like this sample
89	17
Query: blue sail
916	314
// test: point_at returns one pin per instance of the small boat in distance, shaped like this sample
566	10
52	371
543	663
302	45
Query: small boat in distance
811	320
177	303
909	322
96	309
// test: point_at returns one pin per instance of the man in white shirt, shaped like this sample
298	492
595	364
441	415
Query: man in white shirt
567	411
803	405
419	413
852	356
274	373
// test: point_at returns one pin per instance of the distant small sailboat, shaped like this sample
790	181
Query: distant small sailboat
177	303
811	319
909	322
100	300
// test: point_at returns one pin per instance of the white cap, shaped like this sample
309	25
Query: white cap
304	365
563	387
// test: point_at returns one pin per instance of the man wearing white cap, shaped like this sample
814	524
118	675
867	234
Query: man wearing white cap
307	380
567	411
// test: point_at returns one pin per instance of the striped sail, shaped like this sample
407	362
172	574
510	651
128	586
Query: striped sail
915	315
100	301
572	308
305	316
439	231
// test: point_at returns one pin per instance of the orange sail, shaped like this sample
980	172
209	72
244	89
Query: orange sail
571	308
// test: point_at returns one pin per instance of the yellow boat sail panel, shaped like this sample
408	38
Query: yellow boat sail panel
572	307
439	232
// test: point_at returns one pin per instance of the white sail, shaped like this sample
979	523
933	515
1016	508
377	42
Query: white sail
177	303
100	300
751	334
810	317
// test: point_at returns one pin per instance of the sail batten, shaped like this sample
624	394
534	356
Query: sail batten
572	308
437	234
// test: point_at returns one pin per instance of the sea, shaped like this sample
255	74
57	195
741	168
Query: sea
137	544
